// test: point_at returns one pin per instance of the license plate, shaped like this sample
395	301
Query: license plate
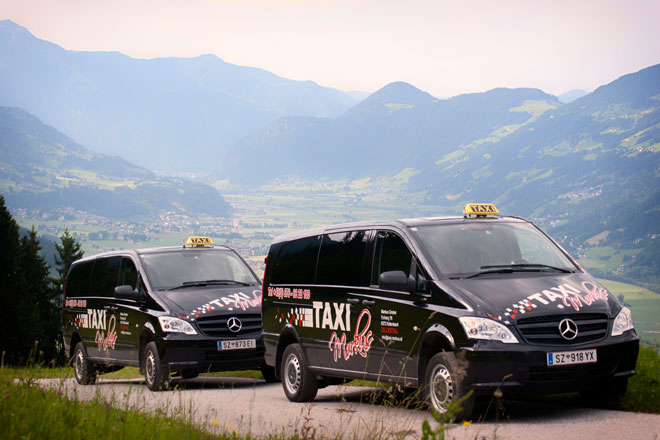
237	344
571	357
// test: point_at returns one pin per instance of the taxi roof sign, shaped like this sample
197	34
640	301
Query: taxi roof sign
199	241
480	209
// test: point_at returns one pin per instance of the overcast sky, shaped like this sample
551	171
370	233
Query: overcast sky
443	47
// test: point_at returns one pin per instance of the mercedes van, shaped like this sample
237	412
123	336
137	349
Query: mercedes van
180	310
457	307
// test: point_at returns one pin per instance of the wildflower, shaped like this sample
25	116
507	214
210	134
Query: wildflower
466	423
216	423
178	414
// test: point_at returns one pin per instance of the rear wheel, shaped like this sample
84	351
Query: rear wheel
443	385
156	375
300	384
84	369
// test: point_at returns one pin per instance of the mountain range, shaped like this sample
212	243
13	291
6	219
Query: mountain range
152	112
41	168
521	148
585	165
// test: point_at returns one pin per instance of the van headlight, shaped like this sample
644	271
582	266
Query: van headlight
175	325
483	328
623	322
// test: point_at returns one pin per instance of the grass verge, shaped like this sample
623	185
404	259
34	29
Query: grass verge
643	394
29	411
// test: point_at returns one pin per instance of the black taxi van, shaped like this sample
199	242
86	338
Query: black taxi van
475	303
184	310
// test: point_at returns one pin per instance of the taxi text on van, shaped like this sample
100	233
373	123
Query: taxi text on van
474	303
184	310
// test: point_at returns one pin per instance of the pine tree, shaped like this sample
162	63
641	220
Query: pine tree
37	305
68	252
11	282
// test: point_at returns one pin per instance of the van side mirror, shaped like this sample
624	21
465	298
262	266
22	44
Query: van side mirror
394	280
127	292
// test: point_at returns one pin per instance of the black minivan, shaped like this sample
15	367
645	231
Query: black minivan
475	303
185	310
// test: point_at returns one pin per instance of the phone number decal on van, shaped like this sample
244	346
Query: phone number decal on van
286	293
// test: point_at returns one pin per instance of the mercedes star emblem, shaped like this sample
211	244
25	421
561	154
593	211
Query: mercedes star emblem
568	329
234	324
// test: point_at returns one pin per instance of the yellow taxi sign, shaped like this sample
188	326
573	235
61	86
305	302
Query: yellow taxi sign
480	209
199	241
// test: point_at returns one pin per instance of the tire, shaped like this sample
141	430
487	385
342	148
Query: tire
156	375
443	384
300	384
611	391
84	369
268	373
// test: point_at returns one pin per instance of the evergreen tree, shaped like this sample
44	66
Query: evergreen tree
11	282
38	306
67	252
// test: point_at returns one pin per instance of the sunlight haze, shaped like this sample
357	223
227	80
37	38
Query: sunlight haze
443	47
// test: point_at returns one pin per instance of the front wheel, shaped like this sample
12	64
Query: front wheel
300	384
443	384
156	375
84	369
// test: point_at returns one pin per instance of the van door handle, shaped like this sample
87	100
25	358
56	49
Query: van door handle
352	300
368	302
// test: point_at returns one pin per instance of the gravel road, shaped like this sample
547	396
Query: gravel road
252	406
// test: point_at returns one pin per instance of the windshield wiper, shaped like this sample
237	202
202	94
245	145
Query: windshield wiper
208	282
510	268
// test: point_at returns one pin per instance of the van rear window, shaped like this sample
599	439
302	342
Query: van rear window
104	277
296	261
341	258
77	283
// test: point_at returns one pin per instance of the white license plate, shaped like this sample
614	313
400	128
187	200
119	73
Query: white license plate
237	344
571	357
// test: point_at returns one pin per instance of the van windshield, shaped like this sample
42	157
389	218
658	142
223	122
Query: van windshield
194	268
472	249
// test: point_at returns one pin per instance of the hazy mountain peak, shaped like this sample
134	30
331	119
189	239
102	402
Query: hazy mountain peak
151	111
400	92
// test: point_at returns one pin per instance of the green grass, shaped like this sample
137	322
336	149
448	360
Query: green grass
29	411
643	393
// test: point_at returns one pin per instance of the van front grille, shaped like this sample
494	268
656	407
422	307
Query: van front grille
544	330
217	325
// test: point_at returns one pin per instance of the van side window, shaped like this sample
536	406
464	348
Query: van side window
391	254
77	283
127	273
104	276
296	261
341	258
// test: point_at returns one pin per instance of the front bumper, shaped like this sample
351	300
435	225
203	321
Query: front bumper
200	353
522	368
